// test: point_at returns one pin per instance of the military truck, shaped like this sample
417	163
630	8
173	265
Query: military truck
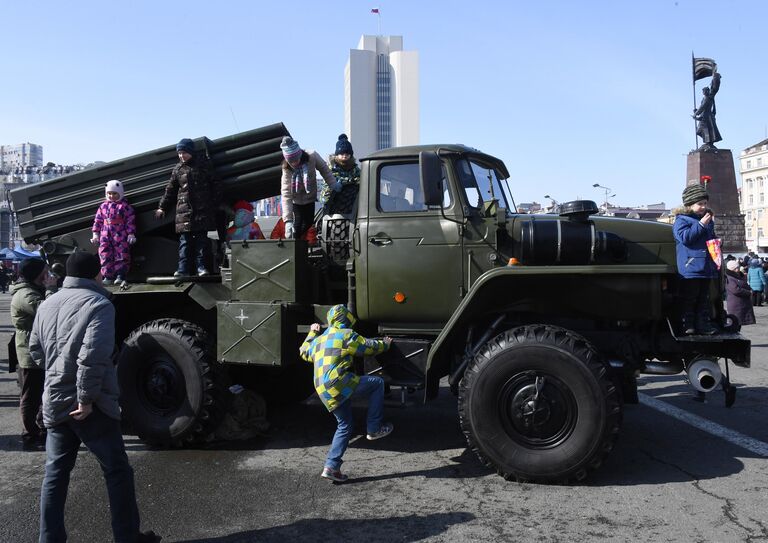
540	323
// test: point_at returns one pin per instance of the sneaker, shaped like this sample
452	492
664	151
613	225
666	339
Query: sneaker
202	272
178	273
334	475
384	431
119	279
107	281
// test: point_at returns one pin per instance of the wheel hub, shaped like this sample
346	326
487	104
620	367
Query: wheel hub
162	386
537	410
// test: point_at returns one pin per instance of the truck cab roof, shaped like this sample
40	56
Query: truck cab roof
410	151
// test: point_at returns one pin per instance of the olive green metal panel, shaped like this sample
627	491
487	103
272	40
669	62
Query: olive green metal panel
269	271
250	333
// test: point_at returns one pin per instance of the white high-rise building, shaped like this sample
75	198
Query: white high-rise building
381	95
21	155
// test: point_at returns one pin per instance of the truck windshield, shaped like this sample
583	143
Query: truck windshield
481	183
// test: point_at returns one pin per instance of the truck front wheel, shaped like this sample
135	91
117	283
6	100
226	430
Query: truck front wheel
537	404
171	393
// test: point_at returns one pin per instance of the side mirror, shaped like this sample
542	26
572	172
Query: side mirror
431	175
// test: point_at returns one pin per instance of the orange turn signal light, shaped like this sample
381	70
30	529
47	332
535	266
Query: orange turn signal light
399	297
513	262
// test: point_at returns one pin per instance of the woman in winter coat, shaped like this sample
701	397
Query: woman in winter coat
298	186
757	281
739	295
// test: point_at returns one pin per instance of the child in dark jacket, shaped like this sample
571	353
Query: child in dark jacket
694	225
196	194
114	231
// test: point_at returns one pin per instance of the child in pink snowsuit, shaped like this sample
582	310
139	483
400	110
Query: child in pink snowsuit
114	230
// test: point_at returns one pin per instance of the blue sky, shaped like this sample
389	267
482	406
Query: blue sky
568	93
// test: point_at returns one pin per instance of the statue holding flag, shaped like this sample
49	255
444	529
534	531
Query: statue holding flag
706	125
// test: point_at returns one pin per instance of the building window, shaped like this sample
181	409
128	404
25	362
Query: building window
751	199
760	232
749	184
762	198
749	232
749	164
383	103
759	162
760	213
749	215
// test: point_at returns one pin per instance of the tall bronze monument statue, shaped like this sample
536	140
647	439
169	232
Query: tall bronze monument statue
713	167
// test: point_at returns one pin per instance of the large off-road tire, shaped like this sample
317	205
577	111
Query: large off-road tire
555	436
171	391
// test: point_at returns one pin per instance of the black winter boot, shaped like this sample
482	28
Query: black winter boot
704	325
688	324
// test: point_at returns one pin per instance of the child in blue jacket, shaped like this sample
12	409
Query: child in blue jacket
693	227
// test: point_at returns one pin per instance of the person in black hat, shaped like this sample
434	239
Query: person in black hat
80	400
196	194
694	226
345	170
33	286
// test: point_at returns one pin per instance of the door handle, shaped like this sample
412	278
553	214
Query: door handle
380	241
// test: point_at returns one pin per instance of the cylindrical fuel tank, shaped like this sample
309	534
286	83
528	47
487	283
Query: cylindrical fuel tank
561	241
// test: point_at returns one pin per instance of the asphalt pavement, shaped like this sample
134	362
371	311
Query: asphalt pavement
682	471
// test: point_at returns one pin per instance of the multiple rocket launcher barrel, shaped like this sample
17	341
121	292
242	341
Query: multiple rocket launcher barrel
247	164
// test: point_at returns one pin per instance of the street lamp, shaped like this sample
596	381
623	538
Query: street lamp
553	203
607	190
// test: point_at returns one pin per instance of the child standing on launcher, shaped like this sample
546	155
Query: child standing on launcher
114	231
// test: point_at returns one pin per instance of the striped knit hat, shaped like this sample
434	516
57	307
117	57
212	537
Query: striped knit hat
290	148
694	193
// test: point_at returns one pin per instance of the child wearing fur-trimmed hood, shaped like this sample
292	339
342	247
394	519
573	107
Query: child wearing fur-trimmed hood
693	227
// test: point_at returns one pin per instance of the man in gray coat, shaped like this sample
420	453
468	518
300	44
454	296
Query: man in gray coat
73	338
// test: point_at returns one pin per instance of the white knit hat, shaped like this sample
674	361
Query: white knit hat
733	265
115	186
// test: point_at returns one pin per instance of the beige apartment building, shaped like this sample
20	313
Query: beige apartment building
753	167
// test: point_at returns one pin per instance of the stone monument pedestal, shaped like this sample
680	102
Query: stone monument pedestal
723	195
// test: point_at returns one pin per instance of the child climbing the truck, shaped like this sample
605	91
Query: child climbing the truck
114	231
694	226
337	384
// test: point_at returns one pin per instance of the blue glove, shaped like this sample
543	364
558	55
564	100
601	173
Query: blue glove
338	187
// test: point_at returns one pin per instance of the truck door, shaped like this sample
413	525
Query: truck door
479	184
411	254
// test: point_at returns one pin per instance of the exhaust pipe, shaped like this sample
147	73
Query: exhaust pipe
704	374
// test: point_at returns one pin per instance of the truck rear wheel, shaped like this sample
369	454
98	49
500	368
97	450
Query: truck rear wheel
538	404
171	393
